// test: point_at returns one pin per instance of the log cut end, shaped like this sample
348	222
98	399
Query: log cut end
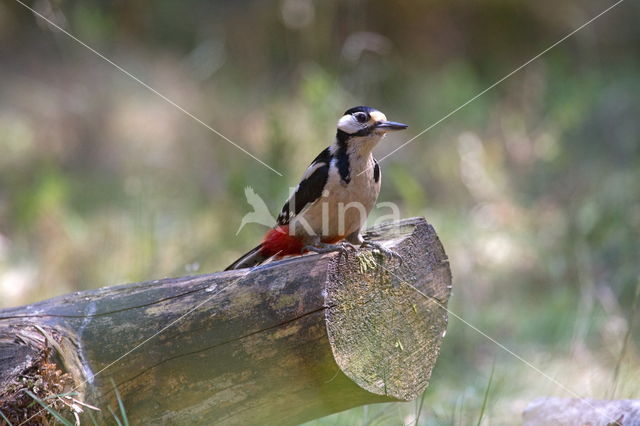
386	318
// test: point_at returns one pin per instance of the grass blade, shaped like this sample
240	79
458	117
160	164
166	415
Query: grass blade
5	419
115	416
53	412
625	342
123	412
420	407
486	394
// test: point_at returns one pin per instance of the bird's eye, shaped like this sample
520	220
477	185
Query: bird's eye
361	117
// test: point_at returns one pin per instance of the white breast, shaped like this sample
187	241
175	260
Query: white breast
343	208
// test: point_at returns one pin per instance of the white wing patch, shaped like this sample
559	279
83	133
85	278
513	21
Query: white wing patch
312	168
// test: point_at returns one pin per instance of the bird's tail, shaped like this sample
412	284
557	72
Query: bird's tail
251	258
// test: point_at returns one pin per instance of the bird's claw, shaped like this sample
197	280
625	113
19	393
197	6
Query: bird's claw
342	247
382	249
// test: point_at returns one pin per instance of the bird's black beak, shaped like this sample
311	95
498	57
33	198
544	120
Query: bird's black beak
390	125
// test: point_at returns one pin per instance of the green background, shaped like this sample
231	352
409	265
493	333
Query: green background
534	187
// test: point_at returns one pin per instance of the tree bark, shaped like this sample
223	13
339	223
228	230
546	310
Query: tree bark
281	343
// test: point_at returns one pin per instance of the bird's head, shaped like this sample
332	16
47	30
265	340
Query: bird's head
367	123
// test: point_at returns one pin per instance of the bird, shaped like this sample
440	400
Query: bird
329	207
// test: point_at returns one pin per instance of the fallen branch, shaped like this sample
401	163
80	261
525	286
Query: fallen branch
278	344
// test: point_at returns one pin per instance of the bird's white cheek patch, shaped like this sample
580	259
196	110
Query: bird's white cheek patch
348	124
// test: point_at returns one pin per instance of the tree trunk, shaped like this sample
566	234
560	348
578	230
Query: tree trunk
281	343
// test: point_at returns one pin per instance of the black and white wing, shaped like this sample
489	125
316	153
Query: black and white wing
309	189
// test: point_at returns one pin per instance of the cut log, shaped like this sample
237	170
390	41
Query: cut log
281	343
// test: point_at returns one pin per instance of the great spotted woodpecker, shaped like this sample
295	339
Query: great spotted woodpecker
331	203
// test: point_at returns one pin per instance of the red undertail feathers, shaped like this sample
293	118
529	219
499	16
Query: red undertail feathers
278	242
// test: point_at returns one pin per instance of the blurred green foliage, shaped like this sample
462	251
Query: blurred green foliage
533	187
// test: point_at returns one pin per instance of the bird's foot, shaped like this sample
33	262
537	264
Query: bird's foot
342	247
383	250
